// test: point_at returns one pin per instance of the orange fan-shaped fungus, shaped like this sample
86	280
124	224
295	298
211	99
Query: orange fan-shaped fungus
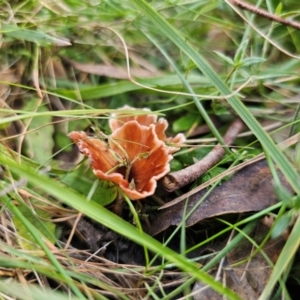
120	118
134	157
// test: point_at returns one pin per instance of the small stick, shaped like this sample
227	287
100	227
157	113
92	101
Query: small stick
283	145
176	180
265	14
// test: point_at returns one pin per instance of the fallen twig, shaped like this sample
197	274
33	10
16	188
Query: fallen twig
265	14
176	180
283	145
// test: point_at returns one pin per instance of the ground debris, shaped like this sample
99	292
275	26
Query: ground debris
250	189
242	271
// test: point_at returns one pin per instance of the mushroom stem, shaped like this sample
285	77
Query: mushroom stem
118	206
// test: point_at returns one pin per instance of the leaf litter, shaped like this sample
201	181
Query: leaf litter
249	190
114	260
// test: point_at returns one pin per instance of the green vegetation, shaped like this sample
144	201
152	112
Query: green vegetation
67	66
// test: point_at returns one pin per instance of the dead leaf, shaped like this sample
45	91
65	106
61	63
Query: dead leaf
8	76
110	71
248	278
250	189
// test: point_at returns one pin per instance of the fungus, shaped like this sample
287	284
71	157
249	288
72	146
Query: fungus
133	157
118	119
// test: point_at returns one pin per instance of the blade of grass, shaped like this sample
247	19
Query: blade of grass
22	260
267	143
80	113
124	86
37	236
20	291
288	251
198	103
110	220
235	241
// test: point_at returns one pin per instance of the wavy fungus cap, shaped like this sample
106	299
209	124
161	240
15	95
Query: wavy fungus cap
118	119
134	157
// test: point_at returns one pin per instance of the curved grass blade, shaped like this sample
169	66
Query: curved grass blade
242	111
110	220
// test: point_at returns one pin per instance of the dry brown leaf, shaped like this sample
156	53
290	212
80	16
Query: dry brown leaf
110	71
250	189
8	75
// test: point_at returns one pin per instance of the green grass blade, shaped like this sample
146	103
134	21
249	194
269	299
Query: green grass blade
289	250
267	143
235	241
124	86
21	291
37	236
110	220
187	86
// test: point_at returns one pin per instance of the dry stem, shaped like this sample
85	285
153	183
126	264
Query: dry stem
283	145
176	180
265	14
